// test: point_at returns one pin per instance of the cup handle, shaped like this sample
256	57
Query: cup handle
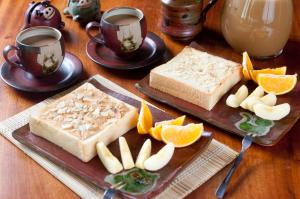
88	27
209	5
6	50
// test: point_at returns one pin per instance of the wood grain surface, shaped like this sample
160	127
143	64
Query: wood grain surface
272	172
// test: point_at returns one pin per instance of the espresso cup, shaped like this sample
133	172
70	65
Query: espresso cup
39	50
121	29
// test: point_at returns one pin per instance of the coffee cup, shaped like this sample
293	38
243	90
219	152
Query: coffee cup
121	29
39	50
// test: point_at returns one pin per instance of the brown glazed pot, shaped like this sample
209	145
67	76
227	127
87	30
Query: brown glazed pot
183	19
43	14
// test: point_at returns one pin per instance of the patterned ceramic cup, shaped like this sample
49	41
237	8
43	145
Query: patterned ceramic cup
122	29
40	50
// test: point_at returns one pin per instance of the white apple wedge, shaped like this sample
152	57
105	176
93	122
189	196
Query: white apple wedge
242	93
269	99
272	112
250	102
253	97
144	154
259	92
160	159
234	100
126	156
110	162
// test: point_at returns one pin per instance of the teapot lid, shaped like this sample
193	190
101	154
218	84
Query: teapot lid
31	9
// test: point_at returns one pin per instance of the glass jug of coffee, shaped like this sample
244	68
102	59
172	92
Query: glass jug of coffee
260	27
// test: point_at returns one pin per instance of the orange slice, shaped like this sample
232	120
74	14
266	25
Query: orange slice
277	84
275	71
247	66
177	121
181	136
247	61
145	119
246	74
155	131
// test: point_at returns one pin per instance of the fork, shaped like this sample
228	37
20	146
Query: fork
246	143
111	191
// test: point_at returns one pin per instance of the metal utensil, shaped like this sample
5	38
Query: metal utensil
246	143
253	126
111	192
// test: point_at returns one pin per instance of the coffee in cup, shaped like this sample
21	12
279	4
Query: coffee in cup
40	50
122	29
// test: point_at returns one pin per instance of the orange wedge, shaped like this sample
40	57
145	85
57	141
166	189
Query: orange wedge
155	131
246	74
177	121
145	119
181	136
277	84
247	61
275	71
247	66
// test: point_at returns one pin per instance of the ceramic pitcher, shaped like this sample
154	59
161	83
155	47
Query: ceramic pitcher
260	27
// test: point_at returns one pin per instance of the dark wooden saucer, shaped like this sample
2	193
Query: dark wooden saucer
68	73
151	51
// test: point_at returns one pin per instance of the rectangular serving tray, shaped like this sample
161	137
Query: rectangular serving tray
226	117
93	171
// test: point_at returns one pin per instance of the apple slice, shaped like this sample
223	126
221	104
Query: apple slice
259	92
234	100
269	99
272	112
160	159
255	95
144	154
126	156
250	102
110	162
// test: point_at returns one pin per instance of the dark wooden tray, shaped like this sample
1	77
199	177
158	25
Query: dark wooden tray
94	171
225	117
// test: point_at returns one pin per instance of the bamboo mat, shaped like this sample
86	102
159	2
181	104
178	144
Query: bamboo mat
207	164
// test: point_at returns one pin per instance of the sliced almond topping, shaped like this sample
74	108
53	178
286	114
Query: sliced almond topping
66	126
96	111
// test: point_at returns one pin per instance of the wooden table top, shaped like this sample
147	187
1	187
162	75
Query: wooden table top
266	172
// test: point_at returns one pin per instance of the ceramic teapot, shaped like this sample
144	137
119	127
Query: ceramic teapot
83	11
43	14
183	19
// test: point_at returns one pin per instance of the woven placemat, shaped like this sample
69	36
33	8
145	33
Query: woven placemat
211	161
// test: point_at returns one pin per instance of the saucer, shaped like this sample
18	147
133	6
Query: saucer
151	51
67	74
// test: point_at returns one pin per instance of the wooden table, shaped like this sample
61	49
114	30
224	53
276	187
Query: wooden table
266	172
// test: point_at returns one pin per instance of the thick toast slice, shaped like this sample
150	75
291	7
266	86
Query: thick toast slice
80	119
197	77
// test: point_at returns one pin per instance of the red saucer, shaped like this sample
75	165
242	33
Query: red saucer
68	73
150	52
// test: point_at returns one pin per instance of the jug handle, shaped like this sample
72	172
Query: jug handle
209	5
